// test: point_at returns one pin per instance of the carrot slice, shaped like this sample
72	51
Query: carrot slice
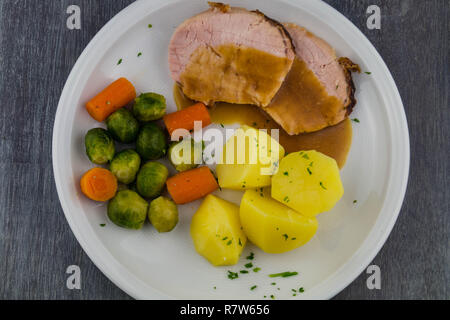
191	185
184	119
117	95
99	184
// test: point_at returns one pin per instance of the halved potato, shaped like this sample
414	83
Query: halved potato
250	158
308	182
272	226
217	232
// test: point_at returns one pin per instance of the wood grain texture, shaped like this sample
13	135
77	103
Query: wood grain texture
37	52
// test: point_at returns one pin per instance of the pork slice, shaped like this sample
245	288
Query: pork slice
323	91
230	54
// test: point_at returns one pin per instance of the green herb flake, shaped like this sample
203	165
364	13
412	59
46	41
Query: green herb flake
286	173
150	26
229	242
356	120
240	243
272	296
222	125
294	239
139	54
355	201
301	290
120	61
225	238
285	236
232	275
323	187
286	199
305	156
273	283
283	274
102	225
253	288
251	256
215	288
249	265
243	271
368	72
309	171
256	269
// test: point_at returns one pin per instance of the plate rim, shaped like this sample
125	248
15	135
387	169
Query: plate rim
133	286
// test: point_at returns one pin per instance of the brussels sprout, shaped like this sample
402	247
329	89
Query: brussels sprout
125	166
122	126
149	107
128	210
151	179
151	143
176	153
163	214
99	146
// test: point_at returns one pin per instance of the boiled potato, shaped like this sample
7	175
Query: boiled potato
272	226
308	182
216	231
257	164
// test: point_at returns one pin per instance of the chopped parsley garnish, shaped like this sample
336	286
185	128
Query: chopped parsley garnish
120	61
272	296
139	54
215	288
337	87
368	72
355	201
286	199
273	283
256	269
243	271
305	156
253	288
240	243
102	225
251	256
150	26
232	275
284	274
285	236
321	184
225	238
286	173
222	125
229	242
311	164
309	171
301	290
355	120
294	239
249	265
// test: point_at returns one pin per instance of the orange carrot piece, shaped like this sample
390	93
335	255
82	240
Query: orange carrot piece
184	119
191	185
117	95
99	184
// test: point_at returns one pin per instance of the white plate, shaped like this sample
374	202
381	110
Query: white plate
148	265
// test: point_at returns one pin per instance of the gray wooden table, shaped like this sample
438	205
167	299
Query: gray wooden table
37	52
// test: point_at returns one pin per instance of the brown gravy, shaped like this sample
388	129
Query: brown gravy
302	104
333	141
233	74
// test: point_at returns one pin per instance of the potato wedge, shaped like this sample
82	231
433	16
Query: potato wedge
217	232
272	226
308	182
254	165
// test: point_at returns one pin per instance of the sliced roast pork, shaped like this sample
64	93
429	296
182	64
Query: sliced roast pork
318	91
231	55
